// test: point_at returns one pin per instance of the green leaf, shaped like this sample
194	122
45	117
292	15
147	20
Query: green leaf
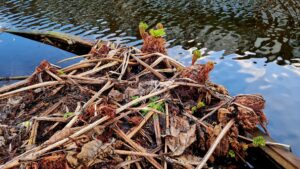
26	124
159	106
157	33
68	114
194	109
143	25
259	141
200	104
197	53
61	72
231	154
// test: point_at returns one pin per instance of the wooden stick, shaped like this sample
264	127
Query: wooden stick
136	129
215	144
267	142
74	57
108	85
157	130
157	74
14	85
54	75
93	71
127	162
77	66
137	147
214	110
135	101
36	152
44	84
124	152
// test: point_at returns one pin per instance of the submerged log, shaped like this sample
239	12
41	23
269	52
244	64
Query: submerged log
63	41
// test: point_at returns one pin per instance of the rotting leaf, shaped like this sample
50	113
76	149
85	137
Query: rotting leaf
64	133
182	135
223	115
116	95
94	152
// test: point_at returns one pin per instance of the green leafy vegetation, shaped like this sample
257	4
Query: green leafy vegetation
200	105
194	109
157	32
26	124
154	104
259	141
196	55
61	72
68	114
231	154
143	25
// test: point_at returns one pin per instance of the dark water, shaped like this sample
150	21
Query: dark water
231	30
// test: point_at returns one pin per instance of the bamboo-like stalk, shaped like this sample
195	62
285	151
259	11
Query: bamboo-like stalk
44	84
14	85
124	152
215	144
136	129
74	57
93	71
144	98
136	146
268	142
38	151
160	76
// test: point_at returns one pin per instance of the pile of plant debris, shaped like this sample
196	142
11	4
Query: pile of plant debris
121	107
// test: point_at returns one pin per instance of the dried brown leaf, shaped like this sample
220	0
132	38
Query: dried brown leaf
116	95
66	132
182	135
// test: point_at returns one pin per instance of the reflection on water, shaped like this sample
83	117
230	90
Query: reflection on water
228	27
269	28
279	86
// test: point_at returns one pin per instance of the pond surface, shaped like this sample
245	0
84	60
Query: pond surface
255	43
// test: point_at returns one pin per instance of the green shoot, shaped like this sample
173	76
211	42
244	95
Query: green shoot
194	109
142	28
196	55
259	141
200	105
231	154
143	25
61	72
157	33
154	104
26	124
68	114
